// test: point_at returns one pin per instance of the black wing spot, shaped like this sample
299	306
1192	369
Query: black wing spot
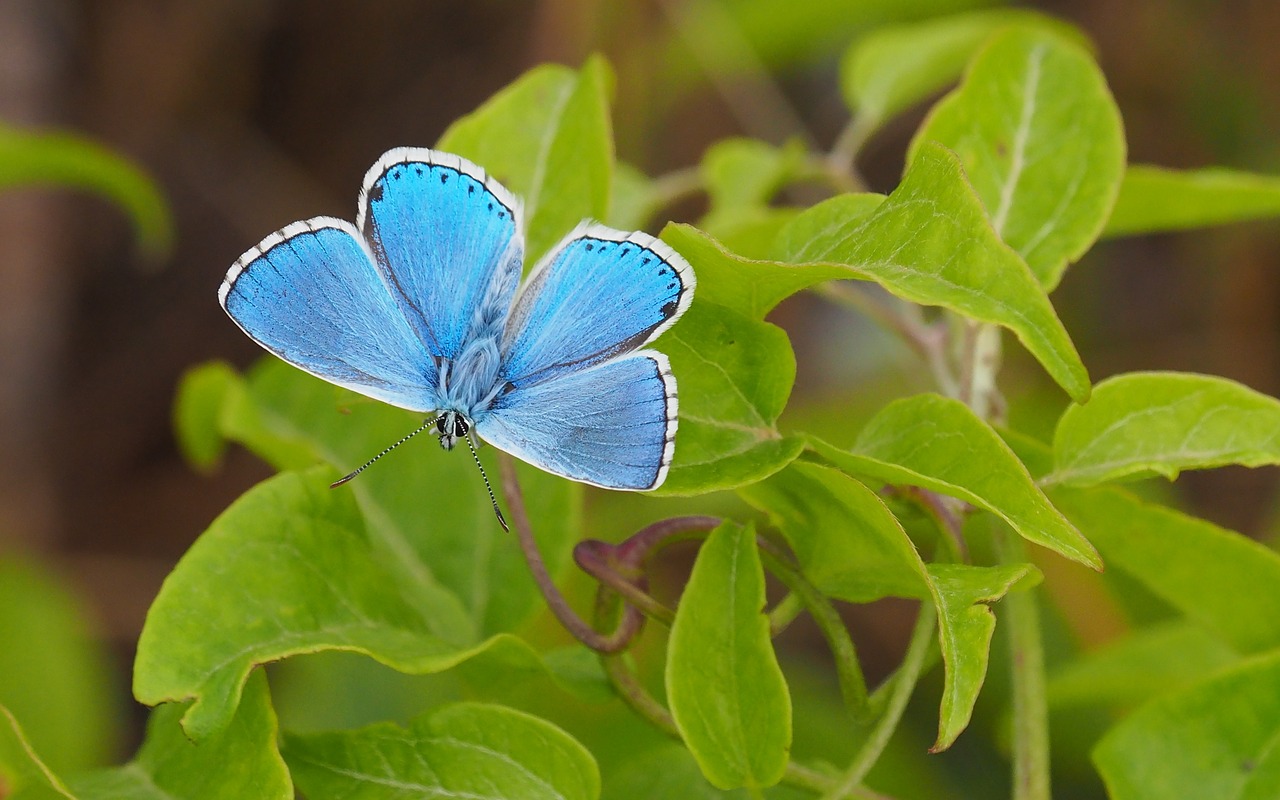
375	193
444	177
418	170
669	308
491	206
625	250
471	188
672	285
395	174
502	215
590	247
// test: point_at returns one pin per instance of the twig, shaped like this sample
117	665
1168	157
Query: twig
630	624
784	613
853	686
904	683
593	557
1030	707
623	681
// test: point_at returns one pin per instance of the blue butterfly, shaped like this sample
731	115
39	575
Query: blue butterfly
419	305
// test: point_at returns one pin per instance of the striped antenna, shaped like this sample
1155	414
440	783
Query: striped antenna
472	447
369	463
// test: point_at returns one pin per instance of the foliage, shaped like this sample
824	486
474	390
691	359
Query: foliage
1010	179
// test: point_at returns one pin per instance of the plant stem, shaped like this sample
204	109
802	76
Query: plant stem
981	356
904	683
624	682
853	686
844	152
670	187
784	613
593	557
631	622
1030	708
929	342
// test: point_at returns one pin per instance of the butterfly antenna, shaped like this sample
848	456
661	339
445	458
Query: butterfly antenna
501	520
369	463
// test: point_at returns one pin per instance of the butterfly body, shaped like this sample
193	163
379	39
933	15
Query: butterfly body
420	304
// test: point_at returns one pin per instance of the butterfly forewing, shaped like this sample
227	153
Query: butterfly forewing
442	233
310	294
599	294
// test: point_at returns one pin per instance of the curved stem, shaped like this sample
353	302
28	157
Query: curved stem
636	551
853	686
904	683
927	341
593	557
844	152
624	682
670	187
784	613
631	621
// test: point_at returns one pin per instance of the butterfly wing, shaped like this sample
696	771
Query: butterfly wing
447	240
596	295
580	403
312	295
612	424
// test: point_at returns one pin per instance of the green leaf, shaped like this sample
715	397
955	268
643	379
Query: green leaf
1225	581
851	547
202	395
458	547
727	693
666	771
895	67
289	568
846	541
463	750
734	376
56	676
1216	739
962	594
1041	141
1156	199
823	227
745	36
548	138
1146	663
240	761
939	444
930	242
66	159
1145	423
22	773
744	285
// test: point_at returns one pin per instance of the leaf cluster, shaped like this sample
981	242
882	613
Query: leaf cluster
1013	175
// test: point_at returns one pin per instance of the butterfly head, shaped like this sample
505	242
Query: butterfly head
450	427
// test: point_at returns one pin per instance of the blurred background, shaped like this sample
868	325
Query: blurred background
250	114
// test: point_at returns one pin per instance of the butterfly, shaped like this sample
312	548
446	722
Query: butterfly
419	304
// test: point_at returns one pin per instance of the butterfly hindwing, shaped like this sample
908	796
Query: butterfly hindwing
443	234
311	294
598	294
611	425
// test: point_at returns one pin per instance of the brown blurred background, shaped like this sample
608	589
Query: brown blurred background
251	115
